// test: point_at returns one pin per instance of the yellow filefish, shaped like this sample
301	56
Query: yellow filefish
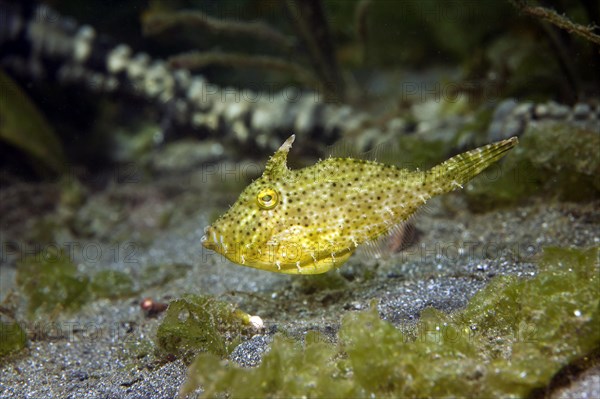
309	221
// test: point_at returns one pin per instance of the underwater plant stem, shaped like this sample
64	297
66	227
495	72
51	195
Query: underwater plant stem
312	25
196	59
361	27
565	60
559	20
157	23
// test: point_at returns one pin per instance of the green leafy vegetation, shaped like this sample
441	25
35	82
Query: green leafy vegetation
161	274
557	160
513	337
288	370
12	338
52	282
112	284
23	126
195	324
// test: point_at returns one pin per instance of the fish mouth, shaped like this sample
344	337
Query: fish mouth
212	240
206	243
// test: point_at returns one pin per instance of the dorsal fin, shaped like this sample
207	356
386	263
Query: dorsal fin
386	151
406	152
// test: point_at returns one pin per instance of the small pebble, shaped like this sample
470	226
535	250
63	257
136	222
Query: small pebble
581	110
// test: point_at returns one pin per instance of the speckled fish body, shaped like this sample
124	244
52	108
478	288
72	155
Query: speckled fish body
310	220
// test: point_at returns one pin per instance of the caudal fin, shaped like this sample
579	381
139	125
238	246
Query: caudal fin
458	170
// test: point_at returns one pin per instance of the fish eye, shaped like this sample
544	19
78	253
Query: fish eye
267	198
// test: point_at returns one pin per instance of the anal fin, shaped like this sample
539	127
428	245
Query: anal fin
398	238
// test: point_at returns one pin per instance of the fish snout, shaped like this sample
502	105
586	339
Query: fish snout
213	240
207	239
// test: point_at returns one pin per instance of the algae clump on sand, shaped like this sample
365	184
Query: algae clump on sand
513	337
12	337
196	323
112	284
554	160
51	281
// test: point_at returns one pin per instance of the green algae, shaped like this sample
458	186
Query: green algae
513	337
23	126
51	280
288	370
194	324
161	274
12	338
112	284
551	160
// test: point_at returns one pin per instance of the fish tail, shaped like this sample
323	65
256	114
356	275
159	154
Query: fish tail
458	170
